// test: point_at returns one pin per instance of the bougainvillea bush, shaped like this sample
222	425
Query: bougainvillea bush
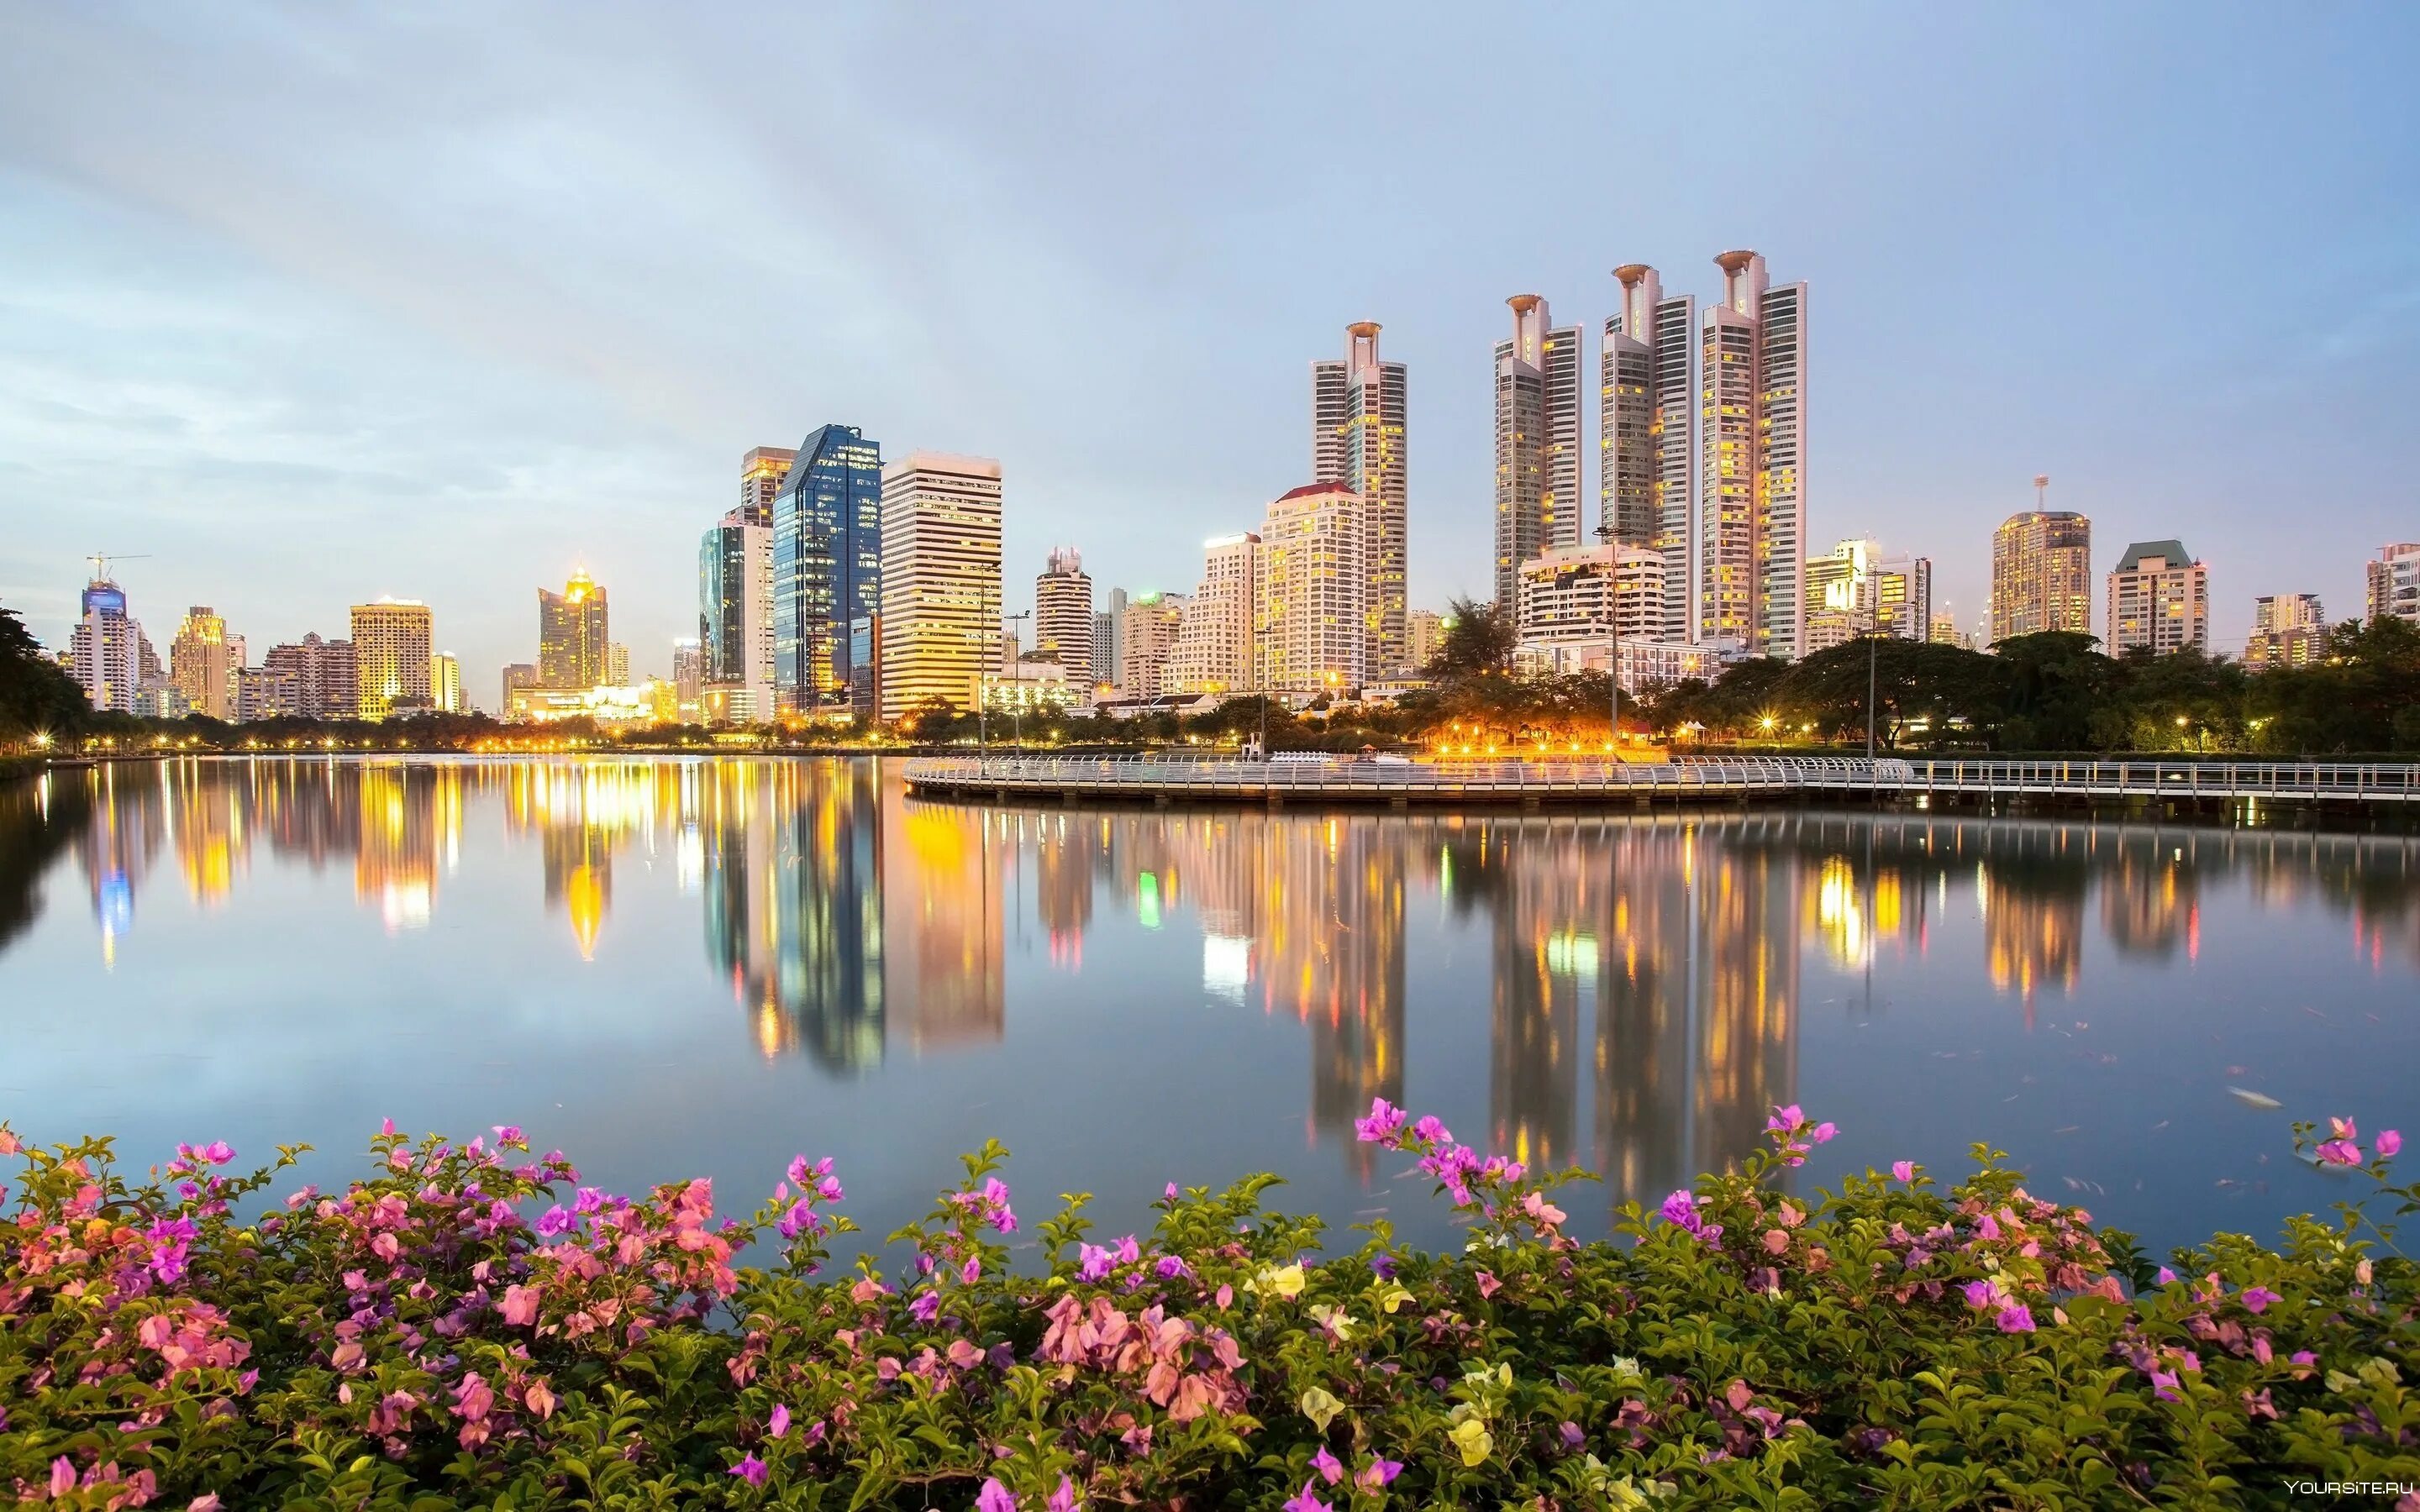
469	1325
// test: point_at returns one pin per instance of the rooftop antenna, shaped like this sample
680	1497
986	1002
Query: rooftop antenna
100	561
2041	490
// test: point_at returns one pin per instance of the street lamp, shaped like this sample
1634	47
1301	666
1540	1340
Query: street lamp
1613	626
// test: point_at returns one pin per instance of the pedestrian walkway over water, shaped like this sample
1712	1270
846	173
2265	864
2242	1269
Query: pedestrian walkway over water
1586	780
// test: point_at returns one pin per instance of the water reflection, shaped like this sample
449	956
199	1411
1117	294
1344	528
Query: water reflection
1644	984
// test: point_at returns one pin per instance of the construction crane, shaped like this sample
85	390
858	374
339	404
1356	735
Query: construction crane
100	561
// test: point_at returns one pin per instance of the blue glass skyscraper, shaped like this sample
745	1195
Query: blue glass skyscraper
827	571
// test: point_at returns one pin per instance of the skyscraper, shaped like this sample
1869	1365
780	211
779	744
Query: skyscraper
1751	475
735	615
391	656
2041	574
1537	441
2394	582
1147	640
445	683
1313	591
762	472
2287	630
940	582
197	663
1357	439
571	634
617	665
689	674
1062	617
1424	636
1109	640
323	674
2159	600
1214	638
1647	426
108	648
828	555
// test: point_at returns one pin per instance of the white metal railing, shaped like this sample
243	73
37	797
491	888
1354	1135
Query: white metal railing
2141	777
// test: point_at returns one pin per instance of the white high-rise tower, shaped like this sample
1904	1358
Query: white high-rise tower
1537	441
1357	439
1647	427
1752	442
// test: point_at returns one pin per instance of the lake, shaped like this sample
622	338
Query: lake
679	966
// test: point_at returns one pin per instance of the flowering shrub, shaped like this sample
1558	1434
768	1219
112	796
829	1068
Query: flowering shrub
468	1324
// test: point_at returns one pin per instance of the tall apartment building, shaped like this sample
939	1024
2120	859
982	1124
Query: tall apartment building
391	651
1212	653
572	634
618	664
1537	441
108	652
1591	592
735	615
198	665
515	683
267	692
1647	429
2041	574
1147	640
1313	591
1424	636
939	572
2394	582
828	556
323	675
445	683
1357	439
1752	462
1062	617
2159	600
2287	630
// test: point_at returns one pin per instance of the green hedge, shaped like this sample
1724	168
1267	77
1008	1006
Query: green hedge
468	1326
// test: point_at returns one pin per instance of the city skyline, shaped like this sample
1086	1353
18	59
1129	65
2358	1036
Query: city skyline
156	368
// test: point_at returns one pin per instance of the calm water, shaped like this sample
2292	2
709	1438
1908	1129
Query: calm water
672	968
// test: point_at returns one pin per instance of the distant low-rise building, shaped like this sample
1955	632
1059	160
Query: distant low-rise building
1642	663
2394	582
2287	630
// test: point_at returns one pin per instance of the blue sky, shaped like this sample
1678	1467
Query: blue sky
312	303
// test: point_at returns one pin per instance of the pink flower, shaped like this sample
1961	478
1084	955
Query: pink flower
508	1133
2166	1277
1545	1212
1379	1473
1380	1126
1064	1499
9	1144
994	1497
1306	1501
2338	1153
1488	1285
2259	1298
207	1501
2016	1318
750	1469
779	1423
1903	1169
2389	1141
539	1398
2164	1385
925	1306
1329	1469
519	1306
971	1271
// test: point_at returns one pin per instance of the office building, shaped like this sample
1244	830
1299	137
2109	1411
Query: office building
391	656
1212	653
1357	439
688	675
1853	591
2394	582
1423	638
108	653
1062	617
1579	591
518	682
1752	463
2041	574
1647	429
2159	600
735	613
1147	641
762	472
572	634
1944	629
323	675
445	683
2287	630
1537	441
939	572
197	663
1312	592
617	665
828	556
267	692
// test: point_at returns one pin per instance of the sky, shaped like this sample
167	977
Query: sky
303	304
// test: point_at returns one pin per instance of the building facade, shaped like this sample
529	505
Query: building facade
688	675
1147	640
199	665
2287	630
1423	638
828	556
2041	574
445	683
267	692
1639	664
572	634
1062	616
939	571
323	674
108	653
1359	439
1752	463
391	656
762	472
1212	652
2159	600
734	611
1312	592
1537	441
1854	589
1647	427
1579	591
2394	582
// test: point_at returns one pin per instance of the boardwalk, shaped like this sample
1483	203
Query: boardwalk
1582	779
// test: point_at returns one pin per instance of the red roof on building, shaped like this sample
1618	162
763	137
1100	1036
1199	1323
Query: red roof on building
1310	488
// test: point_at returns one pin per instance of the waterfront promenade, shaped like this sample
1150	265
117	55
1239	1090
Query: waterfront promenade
1588	781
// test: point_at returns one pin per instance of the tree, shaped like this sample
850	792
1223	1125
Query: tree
2056	684
1478	640
35	693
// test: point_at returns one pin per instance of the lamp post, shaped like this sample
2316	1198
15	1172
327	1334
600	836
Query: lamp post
1613	629
1017	681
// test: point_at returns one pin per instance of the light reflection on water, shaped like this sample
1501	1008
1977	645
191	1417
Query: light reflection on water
278	949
